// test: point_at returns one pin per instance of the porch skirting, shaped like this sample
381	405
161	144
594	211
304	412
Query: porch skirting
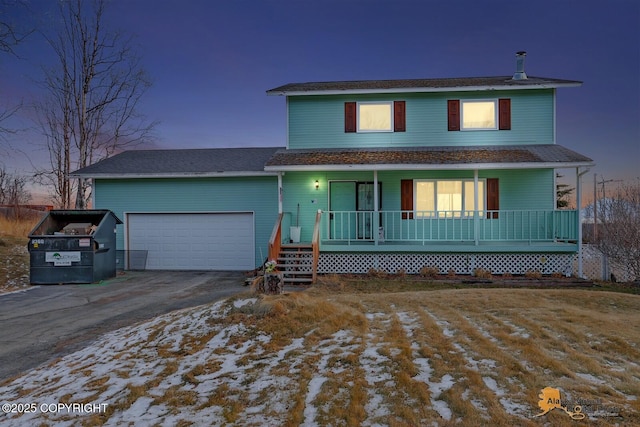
461	263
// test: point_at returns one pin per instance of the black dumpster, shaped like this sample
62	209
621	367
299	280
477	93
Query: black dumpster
73	246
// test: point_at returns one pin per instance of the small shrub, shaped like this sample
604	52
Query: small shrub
557	275
451	273
481	273
332	281
533	274
401	273
374	272
507	275
429	272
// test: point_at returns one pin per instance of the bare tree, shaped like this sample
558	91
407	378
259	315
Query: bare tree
10	37
619	233
93	94
13	189
10	34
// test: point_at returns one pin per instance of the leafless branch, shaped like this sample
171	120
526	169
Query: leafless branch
94	91
619	237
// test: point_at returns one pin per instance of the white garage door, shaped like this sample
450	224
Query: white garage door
193	241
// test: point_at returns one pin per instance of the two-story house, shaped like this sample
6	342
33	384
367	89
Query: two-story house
452	173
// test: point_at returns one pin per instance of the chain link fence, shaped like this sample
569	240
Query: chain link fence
596	266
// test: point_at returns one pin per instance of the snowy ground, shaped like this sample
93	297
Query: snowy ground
197	367
14	267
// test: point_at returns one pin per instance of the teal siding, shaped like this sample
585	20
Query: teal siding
299	188
250	194
318	121
525	189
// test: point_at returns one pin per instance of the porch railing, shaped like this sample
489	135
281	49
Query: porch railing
450	226
315	246
275	241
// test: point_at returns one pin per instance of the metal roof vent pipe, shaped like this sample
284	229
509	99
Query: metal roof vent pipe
520	74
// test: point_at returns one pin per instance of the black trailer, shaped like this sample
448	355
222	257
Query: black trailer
73	246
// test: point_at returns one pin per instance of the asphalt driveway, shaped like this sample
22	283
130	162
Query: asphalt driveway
50	321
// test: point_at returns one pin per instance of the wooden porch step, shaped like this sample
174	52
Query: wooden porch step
295	261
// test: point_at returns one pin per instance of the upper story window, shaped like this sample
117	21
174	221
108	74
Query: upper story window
382	116
492	114
375	116
479	115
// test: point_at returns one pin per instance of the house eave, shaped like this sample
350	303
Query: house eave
409	167
423	89
174	175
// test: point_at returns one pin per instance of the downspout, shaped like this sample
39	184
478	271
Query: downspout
476	216
279	192
376	217
554	197
93	193
555	127
579	206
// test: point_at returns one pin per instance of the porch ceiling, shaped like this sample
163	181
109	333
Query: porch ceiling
425	158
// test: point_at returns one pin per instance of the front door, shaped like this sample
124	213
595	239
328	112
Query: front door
365	208
351	205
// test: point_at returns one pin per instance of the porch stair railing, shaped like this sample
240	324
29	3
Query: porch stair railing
298	262
275	241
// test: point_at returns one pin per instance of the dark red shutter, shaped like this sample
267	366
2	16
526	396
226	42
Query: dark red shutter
349	116
493	197
504	114
406	198
453	113
399	120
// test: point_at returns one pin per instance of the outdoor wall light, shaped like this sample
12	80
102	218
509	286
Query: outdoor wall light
317	184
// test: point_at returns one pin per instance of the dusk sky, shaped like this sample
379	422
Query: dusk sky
212	61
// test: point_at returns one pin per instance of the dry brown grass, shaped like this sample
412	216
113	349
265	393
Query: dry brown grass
393	352
17	227
14	263
14	257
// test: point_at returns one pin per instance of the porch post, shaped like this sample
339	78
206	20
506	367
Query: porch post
376	217
578	207
279	192
476	215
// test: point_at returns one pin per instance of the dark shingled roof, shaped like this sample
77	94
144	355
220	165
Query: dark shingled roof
214	161
427	156
181	162
420	85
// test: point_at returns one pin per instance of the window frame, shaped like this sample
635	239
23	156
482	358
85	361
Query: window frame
391	116
496	114
464	213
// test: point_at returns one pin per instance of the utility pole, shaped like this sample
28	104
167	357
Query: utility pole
595	200
603	182
595	208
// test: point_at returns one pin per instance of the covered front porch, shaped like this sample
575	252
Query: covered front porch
440	202
506	241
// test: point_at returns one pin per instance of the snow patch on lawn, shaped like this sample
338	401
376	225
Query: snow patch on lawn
509	405
410	324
